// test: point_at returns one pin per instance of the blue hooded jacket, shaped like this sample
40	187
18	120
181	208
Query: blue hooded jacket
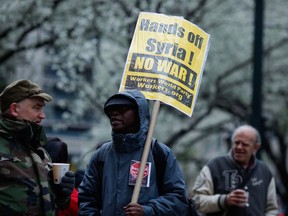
116	190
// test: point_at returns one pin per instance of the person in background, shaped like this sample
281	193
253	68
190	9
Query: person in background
58	151
26	186
238	183
107	188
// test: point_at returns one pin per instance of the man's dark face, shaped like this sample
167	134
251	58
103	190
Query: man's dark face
124	119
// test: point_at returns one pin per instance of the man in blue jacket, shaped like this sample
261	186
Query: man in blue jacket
109	180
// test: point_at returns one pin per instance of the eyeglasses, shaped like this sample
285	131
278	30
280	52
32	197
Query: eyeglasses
118	109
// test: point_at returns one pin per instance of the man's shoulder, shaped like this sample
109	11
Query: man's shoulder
104	146
102	150
217	162
160	145
261	165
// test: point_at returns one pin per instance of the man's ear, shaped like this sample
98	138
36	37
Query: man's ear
257	147
13	109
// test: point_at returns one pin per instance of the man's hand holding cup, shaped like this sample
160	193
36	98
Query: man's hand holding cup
238	197
63	179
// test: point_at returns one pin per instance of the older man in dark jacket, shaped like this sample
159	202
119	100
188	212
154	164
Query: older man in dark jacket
238	183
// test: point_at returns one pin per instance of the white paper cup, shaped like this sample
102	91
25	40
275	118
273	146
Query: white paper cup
59	170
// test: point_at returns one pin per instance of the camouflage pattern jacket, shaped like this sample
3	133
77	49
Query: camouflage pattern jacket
24	166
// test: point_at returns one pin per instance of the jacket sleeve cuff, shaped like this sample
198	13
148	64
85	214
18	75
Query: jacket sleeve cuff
222	201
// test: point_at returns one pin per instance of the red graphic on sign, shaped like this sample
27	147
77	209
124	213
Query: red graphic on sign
134	169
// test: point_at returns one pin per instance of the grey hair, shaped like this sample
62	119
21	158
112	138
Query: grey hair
250	128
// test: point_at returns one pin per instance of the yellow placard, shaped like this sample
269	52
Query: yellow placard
166	60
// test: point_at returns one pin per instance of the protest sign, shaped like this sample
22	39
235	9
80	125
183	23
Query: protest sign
166	60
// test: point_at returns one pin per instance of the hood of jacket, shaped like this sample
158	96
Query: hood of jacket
126	143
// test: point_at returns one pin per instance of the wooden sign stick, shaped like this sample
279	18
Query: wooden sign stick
145	153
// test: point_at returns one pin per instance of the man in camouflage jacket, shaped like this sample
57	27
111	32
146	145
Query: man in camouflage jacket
26	186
